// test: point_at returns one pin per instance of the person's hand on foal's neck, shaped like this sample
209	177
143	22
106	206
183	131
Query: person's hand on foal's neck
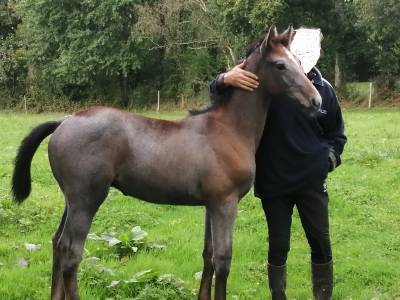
238	77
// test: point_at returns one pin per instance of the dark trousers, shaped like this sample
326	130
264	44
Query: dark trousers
311	201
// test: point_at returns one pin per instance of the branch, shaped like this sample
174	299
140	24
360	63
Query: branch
233	57
191	44
201	4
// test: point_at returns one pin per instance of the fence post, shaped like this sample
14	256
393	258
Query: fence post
25	106
370	95
158	100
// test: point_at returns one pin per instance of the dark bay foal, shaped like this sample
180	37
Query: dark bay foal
205	159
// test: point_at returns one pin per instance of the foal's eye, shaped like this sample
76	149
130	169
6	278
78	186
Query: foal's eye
280	66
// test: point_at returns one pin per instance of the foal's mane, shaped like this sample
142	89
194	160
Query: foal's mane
224	97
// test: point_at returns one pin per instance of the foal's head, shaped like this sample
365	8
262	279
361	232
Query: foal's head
279	71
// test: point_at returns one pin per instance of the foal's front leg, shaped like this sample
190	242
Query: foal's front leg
222	217
208	270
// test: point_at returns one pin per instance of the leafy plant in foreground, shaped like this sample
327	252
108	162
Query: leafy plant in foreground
127	242
147	284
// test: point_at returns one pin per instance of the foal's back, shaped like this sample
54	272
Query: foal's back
176	162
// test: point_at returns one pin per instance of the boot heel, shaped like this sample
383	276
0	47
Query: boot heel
322	280
277	281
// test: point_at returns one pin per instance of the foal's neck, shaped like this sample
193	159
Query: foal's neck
247	112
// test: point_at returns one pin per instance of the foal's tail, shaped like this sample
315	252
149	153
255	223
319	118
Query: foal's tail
21	180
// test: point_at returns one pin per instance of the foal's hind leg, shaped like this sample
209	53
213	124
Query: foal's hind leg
57	286
81	210
208	270
222	219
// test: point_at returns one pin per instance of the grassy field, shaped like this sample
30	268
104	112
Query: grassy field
365	226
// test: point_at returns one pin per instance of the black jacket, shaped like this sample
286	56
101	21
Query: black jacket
296	147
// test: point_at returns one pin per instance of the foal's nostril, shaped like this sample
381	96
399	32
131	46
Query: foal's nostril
316	102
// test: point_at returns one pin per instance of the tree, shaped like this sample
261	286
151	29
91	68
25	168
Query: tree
12	56
9	19
183	35
239	23
378	18
79	46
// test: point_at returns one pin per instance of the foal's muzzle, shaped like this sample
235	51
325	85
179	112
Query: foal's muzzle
316	102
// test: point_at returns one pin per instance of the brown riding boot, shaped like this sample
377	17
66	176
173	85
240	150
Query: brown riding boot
322	280
277	281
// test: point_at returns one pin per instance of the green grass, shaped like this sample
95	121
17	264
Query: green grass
364	210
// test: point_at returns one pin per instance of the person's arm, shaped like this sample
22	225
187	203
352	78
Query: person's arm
333	127
218	90
236	77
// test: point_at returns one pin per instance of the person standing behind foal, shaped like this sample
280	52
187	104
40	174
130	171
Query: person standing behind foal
293	159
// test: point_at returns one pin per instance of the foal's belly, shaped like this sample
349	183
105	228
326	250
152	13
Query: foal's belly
158	192
160	182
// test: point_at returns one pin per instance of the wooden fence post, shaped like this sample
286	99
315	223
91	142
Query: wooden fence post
370	95
158	101
25	106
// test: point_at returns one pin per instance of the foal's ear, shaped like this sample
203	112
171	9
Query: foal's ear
269	38
288	36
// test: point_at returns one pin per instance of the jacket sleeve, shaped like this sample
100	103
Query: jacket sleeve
333	126
218	90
